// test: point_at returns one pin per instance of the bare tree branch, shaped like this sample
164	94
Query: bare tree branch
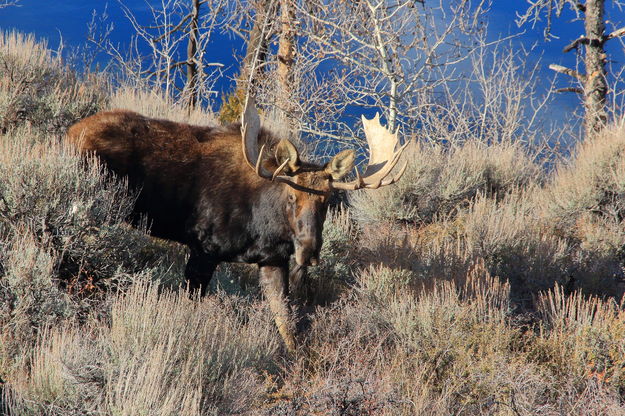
564	70
595	83
582	40
617	33
178	29
9	3
571	89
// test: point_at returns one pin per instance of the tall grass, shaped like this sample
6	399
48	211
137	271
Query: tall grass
161	354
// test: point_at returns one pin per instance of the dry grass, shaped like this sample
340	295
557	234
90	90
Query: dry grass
156	104
38	90
160	354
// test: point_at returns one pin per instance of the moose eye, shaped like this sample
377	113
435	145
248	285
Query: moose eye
291	198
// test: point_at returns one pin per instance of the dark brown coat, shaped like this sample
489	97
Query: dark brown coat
195	187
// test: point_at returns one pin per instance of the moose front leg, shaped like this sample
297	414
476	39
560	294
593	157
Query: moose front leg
298	288
275	285
199	271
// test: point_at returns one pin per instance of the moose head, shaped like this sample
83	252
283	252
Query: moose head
310	185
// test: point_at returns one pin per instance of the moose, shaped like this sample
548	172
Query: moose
213	189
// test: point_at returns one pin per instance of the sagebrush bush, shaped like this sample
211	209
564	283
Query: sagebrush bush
38	90
452	348
72	204
583	337
592	182
584	204
440	180
325	282
30	295
161	354
505	235
64	240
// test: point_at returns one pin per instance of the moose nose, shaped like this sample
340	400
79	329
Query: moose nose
305	252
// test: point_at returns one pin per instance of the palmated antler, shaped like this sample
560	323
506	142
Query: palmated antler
382	158
250	130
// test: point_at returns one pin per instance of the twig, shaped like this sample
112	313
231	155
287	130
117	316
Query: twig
567	71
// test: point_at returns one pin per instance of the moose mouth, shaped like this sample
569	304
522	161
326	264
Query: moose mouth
305	255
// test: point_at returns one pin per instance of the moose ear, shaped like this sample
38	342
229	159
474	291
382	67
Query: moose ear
341	164
285	150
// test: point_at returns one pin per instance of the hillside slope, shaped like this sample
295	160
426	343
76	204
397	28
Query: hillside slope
480	284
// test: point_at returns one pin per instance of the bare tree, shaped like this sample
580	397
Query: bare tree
260	15
194	65
594	82
286	59
256	44
187	75
377	54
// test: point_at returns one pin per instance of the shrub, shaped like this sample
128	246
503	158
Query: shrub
31	298
453	348
62	239
590	183
161	354
326	281
440	180
37	89
584	204
70	203
583	337
513	247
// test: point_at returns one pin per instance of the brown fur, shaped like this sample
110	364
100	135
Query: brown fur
195	187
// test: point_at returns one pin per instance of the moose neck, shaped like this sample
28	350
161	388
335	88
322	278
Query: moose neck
269	221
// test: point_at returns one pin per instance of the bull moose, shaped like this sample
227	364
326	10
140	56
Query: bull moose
213	189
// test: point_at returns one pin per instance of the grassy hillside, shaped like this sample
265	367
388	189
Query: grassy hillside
482	283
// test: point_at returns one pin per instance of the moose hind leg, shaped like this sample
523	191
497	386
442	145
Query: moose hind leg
275	285
199	271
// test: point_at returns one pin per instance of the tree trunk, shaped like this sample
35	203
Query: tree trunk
256	48
595	85
191	84
286	57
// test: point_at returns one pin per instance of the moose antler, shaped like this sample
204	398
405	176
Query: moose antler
382	158
250	129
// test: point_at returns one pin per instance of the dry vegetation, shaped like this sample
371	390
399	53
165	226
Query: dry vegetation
482	283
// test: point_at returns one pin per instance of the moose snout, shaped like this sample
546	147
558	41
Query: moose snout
306	252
